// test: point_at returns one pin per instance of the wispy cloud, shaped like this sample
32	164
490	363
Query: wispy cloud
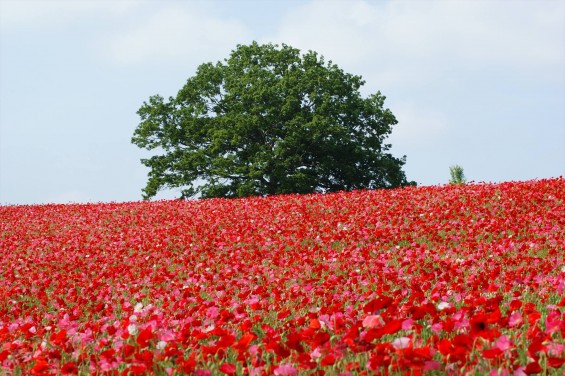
174	35
53	14
413	42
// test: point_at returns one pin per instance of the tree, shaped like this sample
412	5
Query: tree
265	121
457	175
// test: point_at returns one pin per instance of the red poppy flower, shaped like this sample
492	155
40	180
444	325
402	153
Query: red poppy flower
69	368
228	369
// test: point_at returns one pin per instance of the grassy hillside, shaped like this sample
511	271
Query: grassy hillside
433	280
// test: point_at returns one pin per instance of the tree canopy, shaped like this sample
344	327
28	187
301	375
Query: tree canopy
268	120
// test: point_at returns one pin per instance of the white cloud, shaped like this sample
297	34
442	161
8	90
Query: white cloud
411	43
42	14
133	32
174	35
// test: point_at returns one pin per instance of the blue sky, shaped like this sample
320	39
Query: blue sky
475	83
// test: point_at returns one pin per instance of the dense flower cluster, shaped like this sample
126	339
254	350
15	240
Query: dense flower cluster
431	280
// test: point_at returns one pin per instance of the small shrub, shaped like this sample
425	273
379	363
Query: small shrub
457	175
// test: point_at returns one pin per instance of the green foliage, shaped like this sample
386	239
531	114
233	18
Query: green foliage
457	175
268	120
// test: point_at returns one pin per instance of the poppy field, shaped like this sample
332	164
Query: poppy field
455	279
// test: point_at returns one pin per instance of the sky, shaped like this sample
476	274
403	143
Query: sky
480	84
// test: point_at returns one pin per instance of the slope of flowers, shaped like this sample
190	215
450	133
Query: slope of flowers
429	280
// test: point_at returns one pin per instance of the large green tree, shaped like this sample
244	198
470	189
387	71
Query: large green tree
265	121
